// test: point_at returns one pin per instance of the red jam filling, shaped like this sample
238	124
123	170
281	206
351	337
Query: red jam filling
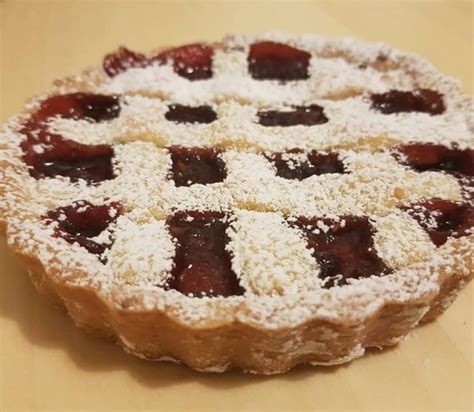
202	265
196	165
315	164
188	114
301	115
344	248
192	61
50	155
96	107
443	219
81	221
429	156
269	60
419	100
122	60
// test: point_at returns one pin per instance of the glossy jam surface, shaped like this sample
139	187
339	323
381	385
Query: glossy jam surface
50	155
95	107
196	165
192	61
344	249
269	60
419	100
443	219
315	163
301	115
428	156
188	114
122	60
202	265
82	221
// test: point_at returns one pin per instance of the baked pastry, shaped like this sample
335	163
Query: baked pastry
255	203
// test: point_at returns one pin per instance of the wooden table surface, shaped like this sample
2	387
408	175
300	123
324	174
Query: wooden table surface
46	363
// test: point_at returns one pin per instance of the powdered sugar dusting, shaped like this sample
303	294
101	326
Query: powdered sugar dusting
269	257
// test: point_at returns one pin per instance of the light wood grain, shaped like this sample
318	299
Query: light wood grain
46	363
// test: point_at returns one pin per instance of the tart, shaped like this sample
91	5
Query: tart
256	203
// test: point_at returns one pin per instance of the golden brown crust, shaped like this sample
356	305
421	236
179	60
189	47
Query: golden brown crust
155	336
449	289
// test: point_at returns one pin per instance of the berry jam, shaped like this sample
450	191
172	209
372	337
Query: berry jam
301	115
192	61
345	251
196	165
122	60
96	107
419	100
202	265
427	156
443	219
315	164
81	221
269	60
50	155
188	114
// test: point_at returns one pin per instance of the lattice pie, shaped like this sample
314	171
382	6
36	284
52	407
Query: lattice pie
255	203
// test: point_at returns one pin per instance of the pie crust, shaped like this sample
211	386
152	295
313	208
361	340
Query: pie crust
292	156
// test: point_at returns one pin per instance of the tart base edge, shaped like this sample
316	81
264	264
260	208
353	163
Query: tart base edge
152	335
